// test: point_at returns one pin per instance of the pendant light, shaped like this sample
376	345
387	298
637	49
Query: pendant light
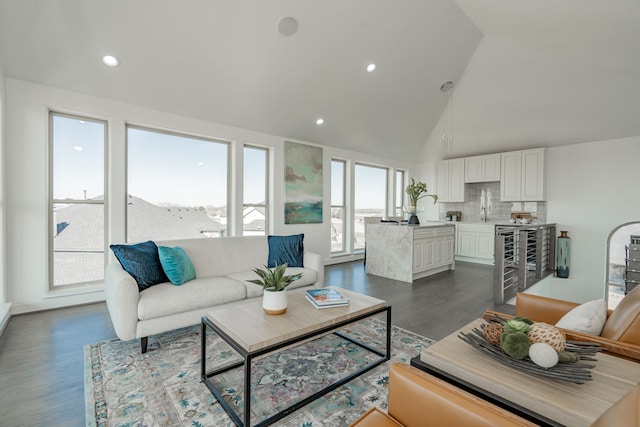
447	117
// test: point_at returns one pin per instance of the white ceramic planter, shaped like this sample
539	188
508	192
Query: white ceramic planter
274	302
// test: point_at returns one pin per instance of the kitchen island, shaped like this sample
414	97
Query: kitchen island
409	252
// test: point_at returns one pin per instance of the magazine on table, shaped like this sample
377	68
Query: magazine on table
326	296
333	305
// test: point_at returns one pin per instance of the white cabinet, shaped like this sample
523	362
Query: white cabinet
432	252
533	175
476	242
432	248
523	176
450	180
510	181
482	168
423	255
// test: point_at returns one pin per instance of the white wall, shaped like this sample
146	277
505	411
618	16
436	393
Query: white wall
591	190
28	106
4	305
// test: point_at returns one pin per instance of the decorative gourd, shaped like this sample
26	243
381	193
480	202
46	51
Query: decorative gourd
492	333
543	355
515	344
542	332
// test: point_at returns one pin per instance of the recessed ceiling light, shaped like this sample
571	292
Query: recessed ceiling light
110	60
200	163
77	148
320	121
371	68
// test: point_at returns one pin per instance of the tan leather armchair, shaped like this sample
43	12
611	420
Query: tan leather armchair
417	398
620	335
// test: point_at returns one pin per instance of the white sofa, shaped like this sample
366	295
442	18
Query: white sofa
222	267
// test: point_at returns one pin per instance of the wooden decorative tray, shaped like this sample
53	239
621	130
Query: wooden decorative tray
575	372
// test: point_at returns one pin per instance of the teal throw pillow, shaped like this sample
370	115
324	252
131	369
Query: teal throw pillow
176	264
141	262
286	250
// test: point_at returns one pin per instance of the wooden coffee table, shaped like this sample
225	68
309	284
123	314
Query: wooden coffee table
543	400
252	333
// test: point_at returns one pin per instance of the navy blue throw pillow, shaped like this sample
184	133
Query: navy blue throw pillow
142	262
286	250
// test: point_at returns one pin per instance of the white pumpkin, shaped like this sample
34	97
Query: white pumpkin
543	355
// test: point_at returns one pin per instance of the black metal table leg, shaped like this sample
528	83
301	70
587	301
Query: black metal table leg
249	356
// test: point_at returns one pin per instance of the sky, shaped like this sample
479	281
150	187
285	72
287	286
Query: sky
162	168
165	168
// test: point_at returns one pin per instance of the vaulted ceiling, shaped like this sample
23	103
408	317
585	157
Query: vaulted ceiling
526	73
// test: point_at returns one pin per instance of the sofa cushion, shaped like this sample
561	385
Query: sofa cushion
309	277
142	262
215	257
588	318
166	299
286	250
176	264
624	323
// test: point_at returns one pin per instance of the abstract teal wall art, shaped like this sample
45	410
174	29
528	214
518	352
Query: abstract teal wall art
303	184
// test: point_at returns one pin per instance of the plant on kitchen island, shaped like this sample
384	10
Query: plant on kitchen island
416	191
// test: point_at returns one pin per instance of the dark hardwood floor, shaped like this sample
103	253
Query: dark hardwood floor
434	306
41	354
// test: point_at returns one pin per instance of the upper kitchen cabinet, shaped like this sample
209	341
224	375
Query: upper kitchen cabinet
482	168
450	180
523	176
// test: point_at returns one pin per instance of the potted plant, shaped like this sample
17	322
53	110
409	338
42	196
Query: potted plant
274	282
416	191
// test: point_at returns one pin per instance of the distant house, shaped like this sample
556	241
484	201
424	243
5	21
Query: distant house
146	221
253	220
79	240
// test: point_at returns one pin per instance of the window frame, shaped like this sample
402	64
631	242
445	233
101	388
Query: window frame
51	201
178	134
343	207
385	212
266	184
398	209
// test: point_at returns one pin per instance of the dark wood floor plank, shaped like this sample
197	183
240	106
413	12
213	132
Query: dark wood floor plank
41	354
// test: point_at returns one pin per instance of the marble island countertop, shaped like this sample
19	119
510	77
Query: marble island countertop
498	222
432	224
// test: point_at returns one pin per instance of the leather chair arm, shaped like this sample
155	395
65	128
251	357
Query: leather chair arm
417	398
542	309
374	417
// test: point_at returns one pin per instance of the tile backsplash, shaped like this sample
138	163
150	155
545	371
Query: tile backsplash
497	210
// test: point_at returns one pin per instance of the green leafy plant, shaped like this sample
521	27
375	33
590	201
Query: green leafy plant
274	279
519	324
418	190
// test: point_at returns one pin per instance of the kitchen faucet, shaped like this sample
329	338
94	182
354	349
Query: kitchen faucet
483	214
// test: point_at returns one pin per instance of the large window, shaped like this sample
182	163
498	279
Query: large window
177	186
338	169
399	193
255	191
76	200
370	198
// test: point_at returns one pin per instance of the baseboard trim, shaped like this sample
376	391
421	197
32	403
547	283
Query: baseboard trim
475	260
59	302
5	316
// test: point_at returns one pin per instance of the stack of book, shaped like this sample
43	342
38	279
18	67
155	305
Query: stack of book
326	298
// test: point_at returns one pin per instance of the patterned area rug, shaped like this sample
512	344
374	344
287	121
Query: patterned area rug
162	387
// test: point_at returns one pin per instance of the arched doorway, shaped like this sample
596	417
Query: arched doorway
620	261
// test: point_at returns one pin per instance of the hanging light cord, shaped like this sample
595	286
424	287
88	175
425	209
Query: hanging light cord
447	125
